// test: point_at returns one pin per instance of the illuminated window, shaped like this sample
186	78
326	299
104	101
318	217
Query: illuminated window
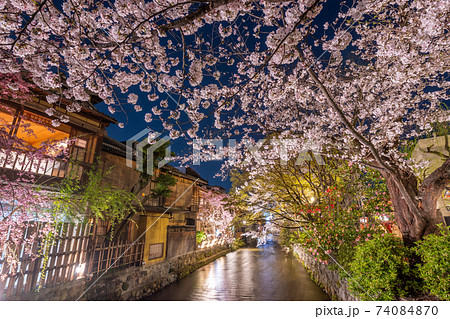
38	131
35	131
6	120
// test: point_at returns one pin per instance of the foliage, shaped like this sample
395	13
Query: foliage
158	154
163	183
337	235
379	269
287	237
434	250
46	246
200	236
349	205
95	198
354	212
237	243
240	187
30	213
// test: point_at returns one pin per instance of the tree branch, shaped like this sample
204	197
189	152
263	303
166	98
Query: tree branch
200	12
438	179
27	24
341	115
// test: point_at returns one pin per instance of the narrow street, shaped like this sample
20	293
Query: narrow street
266	273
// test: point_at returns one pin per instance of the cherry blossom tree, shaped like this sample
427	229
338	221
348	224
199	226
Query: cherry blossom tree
33	206
216	217
13	85
362	78
26	212
328	206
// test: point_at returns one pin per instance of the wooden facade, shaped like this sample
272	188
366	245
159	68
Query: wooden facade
72	252
72	255
84	129
169	223
166	229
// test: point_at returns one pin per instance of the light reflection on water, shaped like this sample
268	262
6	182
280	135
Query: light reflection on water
265	273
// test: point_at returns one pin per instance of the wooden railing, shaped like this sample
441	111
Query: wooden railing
19	161
67	255
72	255
115	255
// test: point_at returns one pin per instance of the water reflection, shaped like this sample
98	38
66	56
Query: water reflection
247	274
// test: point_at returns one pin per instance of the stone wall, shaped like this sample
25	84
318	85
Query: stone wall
131	283
329	280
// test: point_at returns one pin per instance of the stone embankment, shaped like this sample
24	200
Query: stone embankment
132	283
330	280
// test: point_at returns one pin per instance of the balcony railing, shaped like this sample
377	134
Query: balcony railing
19	161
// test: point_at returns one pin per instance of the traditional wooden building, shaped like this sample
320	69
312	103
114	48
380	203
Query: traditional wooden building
169	223
165	228
85	128
80	134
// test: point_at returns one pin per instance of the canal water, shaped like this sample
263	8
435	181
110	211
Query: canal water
266	273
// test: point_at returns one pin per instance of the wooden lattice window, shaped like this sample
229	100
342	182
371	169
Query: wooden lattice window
156	251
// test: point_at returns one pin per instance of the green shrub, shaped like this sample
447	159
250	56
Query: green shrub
344	257
238	243
379	269
435	270
200	236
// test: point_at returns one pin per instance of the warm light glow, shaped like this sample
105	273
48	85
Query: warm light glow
35	133
312	199
80	269
58	148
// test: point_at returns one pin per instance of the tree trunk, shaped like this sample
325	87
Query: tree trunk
408	217
430	191
416	212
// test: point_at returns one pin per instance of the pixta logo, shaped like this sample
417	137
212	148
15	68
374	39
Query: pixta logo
213	149
146	142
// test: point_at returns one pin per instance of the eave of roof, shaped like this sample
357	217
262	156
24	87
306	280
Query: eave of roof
115	147
87	107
